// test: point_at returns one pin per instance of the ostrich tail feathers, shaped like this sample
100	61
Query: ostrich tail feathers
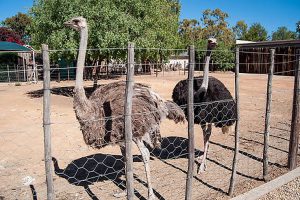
175	113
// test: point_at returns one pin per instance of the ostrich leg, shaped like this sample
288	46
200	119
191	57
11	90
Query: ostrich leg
146	158
206	136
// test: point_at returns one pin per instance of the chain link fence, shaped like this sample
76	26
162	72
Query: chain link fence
97	171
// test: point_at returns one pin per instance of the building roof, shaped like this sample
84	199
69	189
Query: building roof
13	47
270	44
240	42
181	56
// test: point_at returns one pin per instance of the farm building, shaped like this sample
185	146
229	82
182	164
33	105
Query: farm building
16	62
255	56
180	60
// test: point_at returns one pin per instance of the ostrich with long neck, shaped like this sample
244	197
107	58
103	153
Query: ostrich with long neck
213	103
95	114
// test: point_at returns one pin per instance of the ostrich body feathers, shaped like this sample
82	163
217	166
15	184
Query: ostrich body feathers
102	121
215	106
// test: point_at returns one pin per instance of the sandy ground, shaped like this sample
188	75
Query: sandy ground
288	191
21	145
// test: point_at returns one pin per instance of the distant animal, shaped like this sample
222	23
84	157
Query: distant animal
101	116
213	104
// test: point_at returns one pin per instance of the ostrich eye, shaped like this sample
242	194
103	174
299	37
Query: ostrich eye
76	21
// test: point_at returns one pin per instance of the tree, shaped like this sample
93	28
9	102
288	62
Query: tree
256	33
112	23
189	31
18	23
223	57
240	30
298	29
215	24
283	33
10	36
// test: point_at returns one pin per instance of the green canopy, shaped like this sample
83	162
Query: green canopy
10	46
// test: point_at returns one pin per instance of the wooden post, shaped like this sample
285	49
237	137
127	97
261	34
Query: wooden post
189	180
15	69
18	73
237	124
128	126
24	70
295	126
8	73
267	118
46	123
184	67
68	71
57	65
57	68
35	72
156	73
106	69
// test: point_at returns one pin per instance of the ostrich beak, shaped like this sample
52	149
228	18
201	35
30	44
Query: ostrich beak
68	23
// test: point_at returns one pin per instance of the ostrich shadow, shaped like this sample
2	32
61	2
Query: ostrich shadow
88	170
67	91
177	147
251	156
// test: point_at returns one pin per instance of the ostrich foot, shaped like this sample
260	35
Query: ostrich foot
120	194
201	165
201	168
152	197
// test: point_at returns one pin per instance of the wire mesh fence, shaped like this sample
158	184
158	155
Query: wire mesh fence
97	170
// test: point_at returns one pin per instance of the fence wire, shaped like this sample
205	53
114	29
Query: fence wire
83	172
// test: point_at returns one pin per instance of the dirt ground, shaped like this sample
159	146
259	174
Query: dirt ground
21	145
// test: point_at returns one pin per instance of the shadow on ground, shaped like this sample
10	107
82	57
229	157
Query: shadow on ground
102	167
87	170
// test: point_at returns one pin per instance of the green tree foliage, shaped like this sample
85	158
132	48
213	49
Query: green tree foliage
112	23
298	29
215	24
223	57
18	23
189	31
240	30
283	33
256	33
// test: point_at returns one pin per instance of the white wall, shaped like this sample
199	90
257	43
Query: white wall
180	61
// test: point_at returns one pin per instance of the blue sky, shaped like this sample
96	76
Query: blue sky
270	13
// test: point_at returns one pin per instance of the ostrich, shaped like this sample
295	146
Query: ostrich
207	89
95	113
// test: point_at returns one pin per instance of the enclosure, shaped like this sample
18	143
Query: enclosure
82	172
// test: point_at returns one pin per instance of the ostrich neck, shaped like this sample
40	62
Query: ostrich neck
204	84
81	103
81	58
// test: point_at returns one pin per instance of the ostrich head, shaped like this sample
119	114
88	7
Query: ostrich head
212	43
76	23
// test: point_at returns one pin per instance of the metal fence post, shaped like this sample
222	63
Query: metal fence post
128	125
189	181
267	118
295	126
237	124
46	123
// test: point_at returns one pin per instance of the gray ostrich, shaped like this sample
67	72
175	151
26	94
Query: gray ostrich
95	113
221	111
